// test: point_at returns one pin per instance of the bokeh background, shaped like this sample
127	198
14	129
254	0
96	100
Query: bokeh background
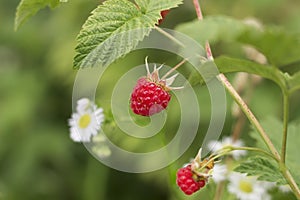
37	158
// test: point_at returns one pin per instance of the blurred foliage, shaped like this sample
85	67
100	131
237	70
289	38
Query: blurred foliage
273	125
37	158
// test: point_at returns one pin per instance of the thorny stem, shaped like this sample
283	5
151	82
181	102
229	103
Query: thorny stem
241	119
244	108
261	131
285	125
236	132
198	9
251	116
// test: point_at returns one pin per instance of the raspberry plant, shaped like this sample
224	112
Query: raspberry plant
116	27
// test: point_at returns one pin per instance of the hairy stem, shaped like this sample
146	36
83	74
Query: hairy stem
244	108
286	173
198	9
285	125
252	118
249	114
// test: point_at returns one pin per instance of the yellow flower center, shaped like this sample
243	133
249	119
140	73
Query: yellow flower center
245	186
84	121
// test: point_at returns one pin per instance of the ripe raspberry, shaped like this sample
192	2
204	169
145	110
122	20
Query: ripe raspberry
148	98
151	94
187	180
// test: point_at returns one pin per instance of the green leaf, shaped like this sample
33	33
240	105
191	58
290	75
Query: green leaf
274	127
28	8
148	6
115	28
213	28
227	65
263	168
278	45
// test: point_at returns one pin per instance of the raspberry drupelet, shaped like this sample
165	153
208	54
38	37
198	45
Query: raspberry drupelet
189	182
151	94
194	176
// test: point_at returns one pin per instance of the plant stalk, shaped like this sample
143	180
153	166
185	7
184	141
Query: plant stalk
252	118
243	107
249	114
285	125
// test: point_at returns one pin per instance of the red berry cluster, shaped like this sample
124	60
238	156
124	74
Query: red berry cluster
148	97
188	181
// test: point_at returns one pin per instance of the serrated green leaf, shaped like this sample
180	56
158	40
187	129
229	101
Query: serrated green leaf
279	46
150	5
115	28
28	8
263	168
227	65
273	127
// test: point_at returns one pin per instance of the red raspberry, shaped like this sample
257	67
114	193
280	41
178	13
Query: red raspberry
148	98
151	93
186	180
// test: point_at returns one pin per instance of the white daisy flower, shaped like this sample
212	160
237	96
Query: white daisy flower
86	121
215	146
247	187
219	173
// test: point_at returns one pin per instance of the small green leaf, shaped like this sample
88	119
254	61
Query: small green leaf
273	127
263	168
115	28
227	65
28	8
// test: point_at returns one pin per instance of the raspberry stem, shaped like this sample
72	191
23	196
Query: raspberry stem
253	119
